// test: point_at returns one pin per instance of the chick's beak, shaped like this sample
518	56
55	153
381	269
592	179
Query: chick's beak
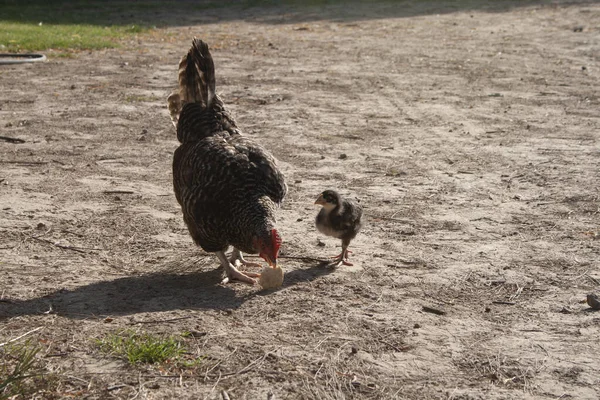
320	200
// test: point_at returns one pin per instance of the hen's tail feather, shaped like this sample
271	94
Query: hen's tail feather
197	75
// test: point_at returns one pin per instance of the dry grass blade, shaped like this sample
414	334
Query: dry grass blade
247	368
22	336
61	246
159	321
433	310
11	139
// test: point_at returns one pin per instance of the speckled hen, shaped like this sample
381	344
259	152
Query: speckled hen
228	186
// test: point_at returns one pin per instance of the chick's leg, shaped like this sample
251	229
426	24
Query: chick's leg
233	273
237	259
340	256
342	259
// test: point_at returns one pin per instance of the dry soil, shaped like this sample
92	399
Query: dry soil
470	131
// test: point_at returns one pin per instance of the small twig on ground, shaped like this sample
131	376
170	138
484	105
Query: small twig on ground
543	203
584	274
56	355
304	258
224	395
50	310
247	367
393	346
293	258
24	162
118	192
406	221
451	302
218	363
215	385
78	379
517	293
158	321
416	261
596	281
433	310
321	342
507	303
115	387
22	336
486	219
11	139
59	245
543	348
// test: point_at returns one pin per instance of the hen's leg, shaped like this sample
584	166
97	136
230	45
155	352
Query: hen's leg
237	259
342	259
233	273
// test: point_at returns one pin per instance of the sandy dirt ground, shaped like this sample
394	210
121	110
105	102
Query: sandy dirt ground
470	133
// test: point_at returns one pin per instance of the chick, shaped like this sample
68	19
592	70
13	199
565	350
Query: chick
339	218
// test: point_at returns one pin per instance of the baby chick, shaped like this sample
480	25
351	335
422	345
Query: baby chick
339	218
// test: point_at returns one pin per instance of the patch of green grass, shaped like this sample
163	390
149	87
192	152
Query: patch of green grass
21	372
64	25
37	25
23	364
141	348
63	55
16	36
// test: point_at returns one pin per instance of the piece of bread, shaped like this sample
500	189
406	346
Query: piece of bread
271	278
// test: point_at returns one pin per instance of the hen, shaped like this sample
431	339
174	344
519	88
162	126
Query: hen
229	187
339	218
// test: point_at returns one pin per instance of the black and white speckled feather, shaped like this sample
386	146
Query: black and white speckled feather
228	186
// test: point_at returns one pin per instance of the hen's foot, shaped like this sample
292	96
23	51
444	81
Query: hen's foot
238	260
247	264
234	275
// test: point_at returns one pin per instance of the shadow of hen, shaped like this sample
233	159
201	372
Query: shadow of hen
175	285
